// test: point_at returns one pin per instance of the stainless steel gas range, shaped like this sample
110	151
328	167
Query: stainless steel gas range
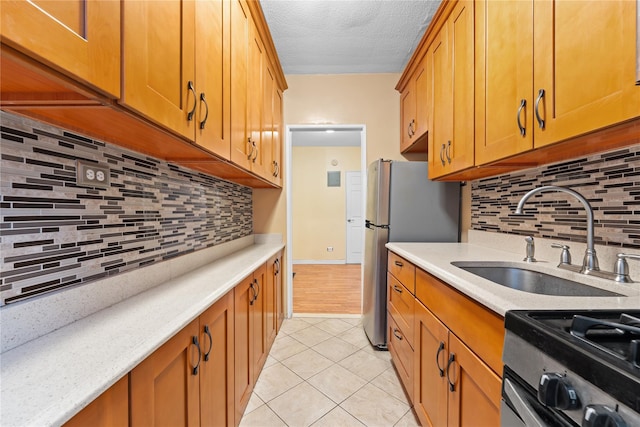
568	368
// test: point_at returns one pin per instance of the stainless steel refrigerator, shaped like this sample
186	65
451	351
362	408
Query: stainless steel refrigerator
402	206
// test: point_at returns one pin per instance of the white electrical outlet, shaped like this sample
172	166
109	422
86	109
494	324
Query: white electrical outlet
92	174
329	248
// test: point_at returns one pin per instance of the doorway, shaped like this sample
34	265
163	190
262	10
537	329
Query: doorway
325	188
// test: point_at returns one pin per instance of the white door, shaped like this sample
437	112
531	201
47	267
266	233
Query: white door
354	217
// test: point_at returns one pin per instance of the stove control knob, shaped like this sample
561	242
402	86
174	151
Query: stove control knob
601	416
555	391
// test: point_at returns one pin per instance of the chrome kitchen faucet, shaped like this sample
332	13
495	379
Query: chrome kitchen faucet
590	261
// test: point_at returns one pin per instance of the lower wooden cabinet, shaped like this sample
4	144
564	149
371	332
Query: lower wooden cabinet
204	375
165	387
250	337
111	408
448	366
452	386
189	380
217	367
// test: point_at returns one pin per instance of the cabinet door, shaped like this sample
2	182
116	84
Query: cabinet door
81	37
430	360
244	293
504	79
277	137
240	143
268	95
111	408
259	320
422	89
407	116
271	315
280	303
212	76
584	53
159	65
475	399
164	387
255	95
453	95
439	59
217	372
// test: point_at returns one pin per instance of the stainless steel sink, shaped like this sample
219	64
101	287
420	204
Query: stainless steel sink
531	281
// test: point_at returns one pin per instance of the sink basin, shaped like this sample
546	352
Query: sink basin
531	281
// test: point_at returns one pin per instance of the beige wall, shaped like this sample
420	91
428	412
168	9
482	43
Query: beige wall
319	211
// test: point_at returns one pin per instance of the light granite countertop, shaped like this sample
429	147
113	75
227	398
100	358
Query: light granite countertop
46	381
436	258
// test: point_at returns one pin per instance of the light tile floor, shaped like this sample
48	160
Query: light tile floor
323	372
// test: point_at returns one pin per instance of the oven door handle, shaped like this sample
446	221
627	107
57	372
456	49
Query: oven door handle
528	414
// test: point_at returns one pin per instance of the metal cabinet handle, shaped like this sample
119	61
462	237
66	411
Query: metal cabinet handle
258	286
523	103
442	155
537	109
251	147
397	289
399	264
278	170
192	89
274	168
206	115
448	151
440	350
195	342
208	332
409	129
395	334
276	267
253	291
256	151
452	358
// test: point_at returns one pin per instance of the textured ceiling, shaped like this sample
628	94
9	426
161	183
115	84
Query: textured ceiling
346	36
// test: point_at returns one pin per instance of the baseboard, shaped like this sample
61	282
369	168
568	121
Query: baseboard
319	261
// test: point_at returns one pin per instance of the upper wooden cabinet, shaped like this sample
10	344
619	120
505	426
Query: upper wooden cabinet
538	83
584	61
213	75
415	110
451	146
79	38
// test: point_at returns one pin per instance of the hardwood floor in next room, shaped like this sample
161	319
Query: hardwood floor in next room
327	289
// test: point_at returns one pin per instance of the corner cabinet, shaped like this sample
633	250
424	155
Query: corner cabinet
79	38
455	345
415	109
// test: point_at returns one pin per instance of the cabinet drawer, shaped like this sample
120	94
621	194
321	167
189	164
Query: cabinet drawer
402	270
401	354
479	328
401	303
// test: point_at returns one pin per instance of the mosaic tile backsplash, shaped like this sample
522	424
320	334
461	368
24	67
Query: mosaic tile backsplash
610	181
55	233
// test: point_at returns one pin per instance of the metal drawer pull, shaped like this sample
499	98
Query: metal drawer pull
448	151
523	104
399	264
537	109
258	286
256	147
208	332
195	100
395	334
397	289
452	358
440	349
195	342
206	115
251	147
442	155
